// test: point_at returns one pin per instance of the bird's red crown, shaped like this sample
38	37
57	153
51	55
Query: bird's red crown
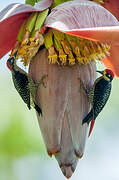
108	71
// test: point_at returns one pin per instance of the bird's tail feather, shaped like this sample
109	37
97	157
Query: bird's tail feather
88	118
38	109
29	107
91	127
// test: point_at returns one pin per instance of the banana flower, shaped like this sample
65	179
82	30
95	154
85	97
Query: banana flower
63	41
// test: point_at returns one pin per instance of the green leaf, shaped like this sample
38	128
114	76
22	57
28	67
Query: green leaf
31	2
57	2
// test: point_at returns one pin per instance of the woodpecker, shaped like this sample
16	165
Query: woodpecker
98	96
24	84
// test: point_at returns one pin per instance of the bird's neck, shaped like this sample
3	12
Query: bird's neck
16	68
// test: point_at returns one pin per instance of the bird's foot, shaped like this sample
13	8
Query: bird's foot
42	81
82	86
86	121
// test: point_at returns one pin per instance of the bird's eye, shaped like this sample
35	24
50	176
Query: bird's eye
109	76
11	60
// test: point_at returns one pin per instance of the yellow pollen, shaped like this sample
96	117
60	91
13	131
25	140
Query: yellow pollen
62	57
53	58
28	48
66	46
69	50
71	61
31	39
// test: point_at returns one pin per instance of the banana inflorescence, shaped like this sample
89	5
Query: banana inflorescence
63	49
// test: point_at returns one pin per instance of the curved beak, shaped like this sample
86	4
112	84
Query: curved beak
15	54
101	72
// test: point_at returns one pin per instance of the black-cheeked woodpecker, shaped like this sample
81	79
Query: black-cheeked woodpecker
98	96
24	84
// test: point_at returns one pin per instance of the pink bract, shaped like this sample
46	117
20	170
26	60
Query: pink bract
64	106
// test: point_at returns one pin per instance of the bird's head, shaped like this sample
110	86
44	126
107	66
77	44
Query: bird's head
11	62
108	75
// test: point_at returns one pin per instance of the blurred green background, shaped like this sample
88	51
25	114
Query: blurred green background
22	151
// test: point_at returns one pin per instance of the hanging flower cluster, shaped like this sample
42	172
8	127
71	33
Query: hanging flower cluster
63	39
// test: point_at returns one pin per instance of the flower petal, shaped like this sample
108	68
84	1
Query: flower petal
44	4
11	19
84	19
112	62
64	105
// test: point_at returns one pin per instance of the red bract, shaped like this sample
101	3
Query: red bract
112	6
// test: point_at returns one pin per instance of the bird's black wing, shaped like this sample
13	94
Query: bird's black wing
101	95
21	84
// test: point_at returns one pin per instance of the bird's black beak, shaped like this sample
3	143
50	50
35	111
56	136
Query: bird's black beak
101	72
15	54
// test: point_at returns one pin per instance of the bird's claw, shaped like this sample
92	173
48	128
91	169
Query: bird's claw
42	80
82	86
84	122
